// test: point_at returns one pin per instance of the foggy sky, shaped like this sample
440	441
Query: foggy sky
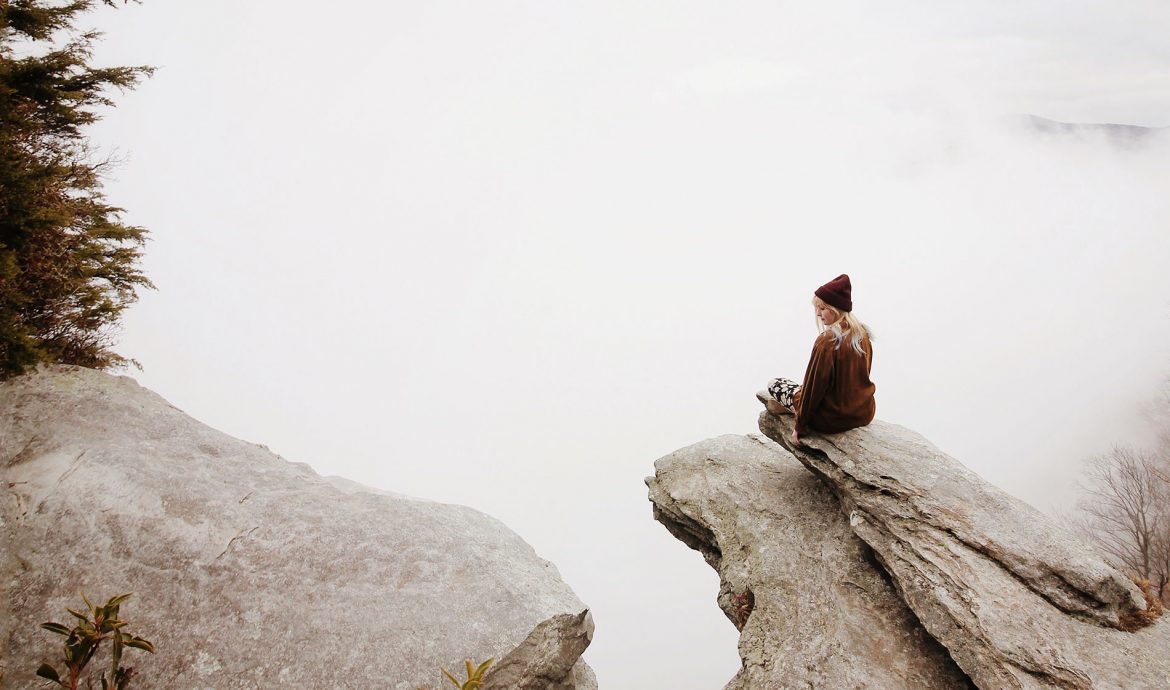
508	254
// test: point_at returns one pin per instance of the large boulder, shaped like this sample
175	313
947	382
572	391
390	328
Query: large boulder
813	608
250	571
1016	600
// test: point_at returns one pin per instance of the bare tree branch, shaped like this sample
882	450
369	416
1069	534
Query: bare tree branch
1125	510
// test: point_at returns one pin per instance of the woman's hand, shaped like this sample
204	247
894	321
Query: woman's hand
795	437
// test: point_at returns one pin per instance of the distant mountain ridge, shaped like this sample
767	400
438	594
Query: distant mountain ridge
1118	132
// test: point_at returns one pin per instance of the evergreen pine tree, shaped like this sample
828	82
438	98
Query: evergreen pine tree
69	266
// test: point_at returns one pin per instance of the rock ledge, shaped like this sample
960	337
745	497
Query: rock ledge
299	580
1017	601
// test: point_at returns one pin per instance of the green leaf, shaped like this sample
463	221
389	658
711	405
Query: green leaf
56	628
115	601
484	667
139	643
116	657
47	671
114	604
80	651
79	615
112	623
452	678
470	669
92	608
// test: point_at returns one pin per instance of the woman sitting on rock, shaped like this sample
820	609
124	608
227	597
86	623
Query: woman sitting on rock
836	394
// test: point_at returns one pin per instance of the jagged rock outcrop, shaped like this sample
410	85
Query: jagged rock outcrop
1017	601
250	571
548	658
813	609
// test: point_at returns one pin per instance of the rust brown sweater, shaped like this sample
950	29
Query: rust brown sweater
837	394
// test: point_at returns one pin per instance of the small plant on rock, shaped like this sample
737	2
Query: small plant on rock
745	603
474	675
94	626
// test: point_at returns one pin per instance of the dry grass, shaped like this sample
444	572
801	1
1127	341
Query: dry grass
1136	620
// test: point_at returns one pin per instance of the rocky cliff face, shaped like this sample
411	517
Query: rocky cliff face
250	571
884	538
812	609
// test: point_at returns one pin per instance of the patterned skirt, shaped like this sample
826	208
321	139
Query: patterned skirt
783	390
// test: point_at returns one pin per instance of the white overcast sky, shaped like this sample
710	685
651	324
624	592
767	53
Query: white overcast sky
507	254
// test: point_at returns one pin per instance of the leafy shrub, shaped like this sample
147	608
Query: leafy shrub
94	626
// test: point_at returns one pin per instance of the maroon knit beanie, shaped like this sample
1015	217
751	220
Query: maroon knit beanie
837	293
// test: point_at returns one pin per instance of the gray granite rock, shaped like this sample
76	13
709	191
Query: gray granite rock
812	607
1017	601
248	571
549	658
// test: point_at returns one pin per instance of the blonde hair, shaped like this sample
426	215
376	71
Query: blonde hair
846	326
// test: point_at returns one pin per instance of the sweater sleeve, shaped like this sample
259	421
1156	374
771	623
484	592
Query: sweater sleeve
816	383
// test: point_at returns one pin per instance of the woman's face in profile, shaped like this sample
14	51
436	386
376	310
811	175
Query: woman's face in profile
826	315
